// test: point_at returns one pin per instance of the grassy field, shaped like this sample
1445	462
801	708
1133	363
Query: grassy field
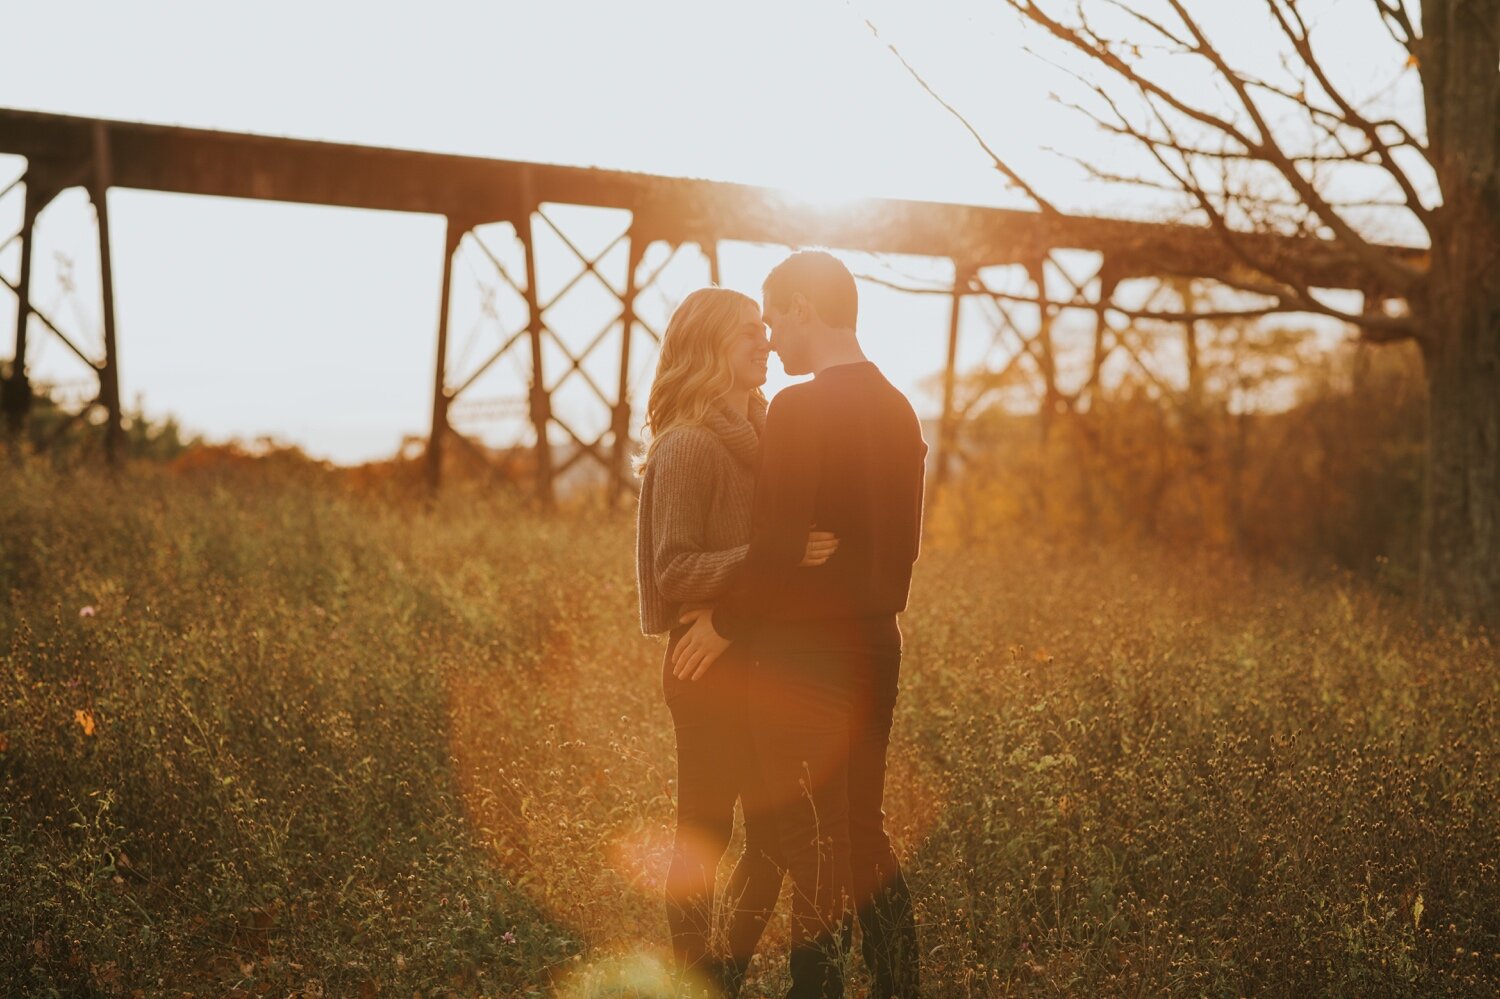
262	737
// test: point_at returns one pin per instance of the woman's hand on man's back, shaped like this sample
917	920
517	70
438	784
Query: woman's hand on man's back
820	548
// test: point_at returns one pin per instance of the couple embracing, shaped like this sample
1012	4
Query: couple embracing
775	547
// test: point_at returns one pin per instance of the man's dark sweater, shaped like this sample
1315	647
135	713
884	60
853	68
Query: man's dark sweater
844	453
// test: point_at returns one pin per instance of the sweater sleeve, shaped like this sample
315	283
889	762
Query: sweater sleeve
785	497
684	569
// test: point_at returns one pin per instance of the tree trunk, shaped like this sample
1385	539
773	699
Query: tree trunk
1461	523
1461	513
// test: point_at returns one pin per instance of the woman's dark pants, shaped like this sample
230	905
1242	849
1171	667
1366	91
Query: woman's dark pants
715	766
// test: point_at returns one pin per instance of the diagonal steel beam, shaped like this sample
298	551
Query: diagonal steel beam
657	272
505	348
585	448
53	328
515	337
497	262
588	268
589	265
651	331
1005	321
67	424
576	363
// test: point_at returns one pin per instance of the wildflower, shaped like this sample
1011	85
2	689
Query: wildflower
87	611
508	937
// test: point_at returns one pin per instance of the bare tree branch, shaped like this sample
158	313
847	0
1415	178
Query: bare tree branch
1151	23
1398	20
1284	285
1263	147
1260	276
1302	44
1346	155
1380	263
1403	139
1045	206
1072	38
1095	172
977	287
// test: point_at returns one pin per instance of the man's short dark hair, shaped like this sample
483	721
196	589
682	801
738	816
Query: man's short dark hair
822	279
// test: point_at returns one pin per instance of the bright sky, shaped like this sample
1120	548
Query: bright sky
317	326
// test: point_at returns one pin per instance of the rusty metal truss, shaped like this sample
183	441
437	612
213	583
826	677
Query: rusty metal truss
621	331
496	208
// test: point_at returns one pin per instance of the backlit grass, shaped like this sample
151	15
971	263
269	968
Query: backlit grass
259	736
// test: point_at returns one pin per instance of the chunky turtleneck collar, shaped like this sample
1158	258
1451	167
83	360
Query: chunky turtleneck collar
740	433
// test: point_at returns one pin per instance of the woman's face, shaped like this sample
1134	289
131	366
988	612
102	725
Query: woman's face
749	350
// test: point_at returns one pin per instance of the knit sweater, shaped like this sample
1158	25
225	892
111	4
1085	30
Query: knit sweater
693	525
844	452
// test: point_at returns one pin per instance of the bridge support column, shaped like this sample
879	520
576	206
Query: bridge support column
453	233
948	421
109	374
541	398
1037	270
16	391
1189	300
1108	281
620	456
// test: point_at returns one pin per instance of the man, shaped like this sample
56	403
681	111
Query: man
843	452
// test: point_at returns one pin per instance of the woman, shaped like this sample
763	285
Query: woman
703	420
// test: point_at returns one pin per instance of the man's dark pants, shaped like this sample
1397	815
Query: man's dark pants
821	721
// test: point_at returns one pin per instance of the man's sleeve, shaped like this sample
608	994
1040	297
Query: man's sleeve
785	494
916	548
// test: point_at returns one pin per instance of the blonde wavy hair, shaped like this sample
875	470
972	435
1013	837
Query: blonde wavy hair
692	370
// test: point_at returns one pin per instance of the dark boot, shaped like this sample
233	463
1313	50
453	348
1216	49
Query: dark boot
728	976
817	966
816	974
888	941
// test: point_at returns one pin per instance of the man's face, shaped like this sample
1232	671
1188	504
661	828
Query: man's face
789	335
